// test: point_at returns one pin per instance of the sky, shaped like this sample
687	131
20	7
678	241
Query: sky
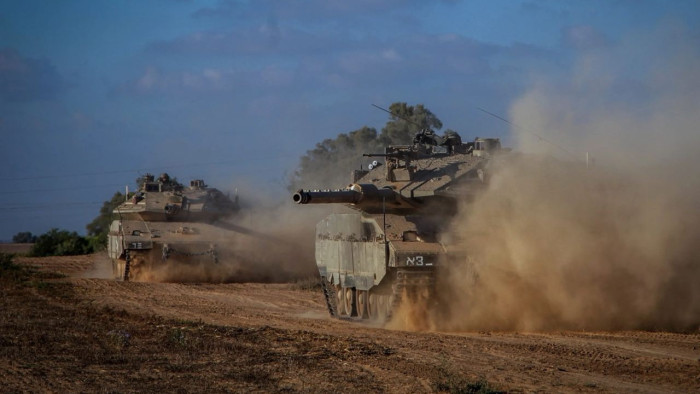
94	94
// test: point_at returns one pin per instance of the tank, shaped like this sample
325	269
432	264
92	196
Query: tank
392	242
166	222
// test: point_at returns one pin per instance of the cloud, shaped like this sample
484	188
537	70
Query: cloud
305	10
27	79
262	39
544	7
584	37
154	80
327	72
368	55
294	50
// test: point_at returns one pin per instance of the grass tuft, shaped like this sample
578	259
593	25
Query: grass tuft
11	272
311	283
453	382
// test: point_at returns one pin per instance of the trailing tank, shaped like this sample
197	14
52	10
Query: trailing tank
393	241
166	222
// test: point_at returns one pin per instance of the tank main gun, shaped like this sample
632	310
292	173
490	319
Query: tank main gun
406	152
326	196
383	155
364	196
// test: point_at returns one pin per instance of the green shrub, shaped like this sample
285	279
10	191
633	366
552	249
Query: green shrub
57	242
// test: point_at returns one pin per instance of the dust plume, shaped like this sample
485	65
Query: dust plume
101	267
556	244
414	313
267	241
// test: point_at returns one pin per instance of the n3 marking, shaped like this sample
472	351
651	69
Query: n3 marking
417	261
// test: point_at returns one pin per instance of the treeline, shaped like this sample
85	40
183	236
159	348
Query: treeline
57	242
330	163
327	165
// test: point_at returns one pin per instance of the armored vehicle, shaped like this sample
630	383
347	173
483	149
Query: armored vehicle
390	247
167	222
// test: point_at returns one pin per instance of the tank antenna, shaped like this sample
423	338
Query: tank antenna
400	117
384	216
386	238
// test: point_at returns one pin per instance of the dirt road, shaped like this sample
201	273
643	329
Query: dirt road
281	335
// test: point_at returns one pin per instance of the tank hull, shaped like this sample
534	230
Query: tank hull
368	264
139	249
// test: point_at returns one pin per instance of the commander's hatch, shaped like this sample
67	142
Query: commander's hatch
152	187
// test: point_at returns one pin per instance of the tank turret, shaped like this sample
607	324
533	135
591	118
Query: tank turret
391	245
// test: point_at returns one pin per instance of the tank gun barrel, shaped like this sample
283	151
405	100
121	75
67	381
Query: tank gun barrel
326	196
381	154
403	153
353	194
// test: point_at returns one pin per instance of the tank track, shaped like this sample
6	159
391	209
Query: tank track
406	281
328	293
127	265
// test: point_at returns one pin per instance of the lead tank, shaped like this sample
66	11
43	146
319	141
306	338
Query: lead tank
393	243
166	222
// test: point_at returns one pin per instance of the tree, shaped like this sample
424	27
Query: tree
330	163
24	237
99	227
57	242
406	122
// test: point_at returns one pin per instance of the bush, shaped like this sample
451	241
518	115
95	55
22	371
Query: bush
24	237
9	271
57	242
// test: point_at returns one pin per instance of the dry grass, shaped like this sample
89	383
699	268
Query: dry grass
309	283
52	340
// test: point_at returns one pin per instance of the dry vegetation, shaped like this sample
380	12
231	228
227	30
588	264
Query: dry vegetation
51	339
64	333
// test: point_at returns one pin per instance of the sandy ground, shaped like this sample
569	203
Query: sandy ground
15	248
289	322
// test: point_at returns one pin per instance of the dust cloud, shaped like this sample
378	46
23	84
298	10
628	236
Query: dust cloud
268	241
101	267
414	313
555	243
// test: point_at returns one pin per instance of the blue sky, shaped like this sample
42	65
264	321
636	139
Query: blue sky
95	93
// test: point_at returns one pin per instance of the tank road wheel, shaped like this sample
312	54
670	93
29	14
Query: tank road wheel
349	300
373	306
340	300
362	307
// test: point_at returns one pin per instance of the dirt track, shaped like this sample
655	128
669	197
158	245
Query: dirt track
291	321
